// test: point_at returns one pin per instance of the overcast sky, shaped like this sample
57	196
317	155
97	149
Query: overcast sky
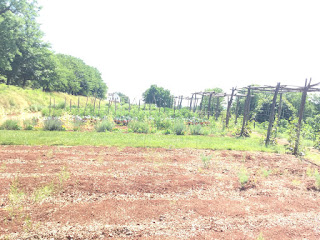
187	46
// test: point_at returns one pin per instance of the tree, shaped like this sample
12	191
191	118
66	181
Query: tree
124	98
157	95
17	25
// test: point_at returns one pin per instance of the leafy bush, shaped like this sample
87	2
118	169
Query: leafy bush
163	123
105	125
35	108
139	127
179	127
77	123
29	124
196	129
53	124
61	105
10	125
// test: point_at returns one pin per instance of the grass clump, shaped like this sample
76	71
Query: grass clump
16	197
260	237
139	127
105	125
243	177
53	124
43	192
179	128
206	160
10	125
63	176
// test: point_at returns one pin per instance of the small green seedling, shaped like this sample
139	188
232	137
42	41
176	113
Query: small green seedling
206	160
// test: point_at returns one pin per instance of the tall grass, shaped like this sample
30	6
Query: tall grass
134	140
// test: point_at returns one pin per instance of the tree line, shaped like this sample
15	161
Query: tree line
27	61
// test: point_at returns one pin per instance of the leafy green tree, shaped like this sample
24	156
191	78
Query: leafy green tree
157	95
75	77
124	98
17	26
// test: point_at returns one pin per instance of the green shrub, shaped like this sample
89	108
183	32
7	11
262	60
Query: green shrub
162	123
53	124
179	127
10	125
196	129
35	108
61	105
139	127
105	125
29	124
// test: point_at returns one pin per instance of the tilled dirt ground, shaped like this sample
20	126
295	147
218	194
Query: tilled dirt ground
140	193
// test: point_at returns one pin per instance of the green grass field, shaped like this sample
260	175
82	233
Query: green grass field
133	140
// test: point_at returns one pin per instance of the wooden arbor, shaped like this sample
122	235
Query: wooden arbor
276	90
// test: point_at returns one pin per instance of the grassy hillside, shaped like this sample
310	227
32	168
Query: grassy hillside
16	100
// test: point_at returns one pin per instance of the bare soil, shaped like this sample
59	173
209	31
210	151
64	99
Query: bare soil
147	193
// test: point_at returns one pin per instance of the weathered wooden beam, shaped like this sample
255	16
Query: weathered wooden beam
301	110
272	114
246	112
237	110
279	114
191	102
229	107
209	105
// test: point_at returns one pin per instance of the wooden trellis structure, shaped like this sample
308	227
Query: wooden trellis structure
279	90
212	95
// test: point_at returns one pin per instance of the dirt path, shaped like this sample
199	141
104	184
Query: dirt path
137	193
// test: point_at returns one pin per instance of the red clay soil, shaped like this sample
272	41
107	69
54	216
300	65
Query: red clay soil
141	193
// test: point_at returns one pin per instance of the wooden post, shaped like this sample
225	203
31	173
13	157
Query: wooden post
201	102
191	102
229	107
301	110
195	103
94	104
272	114
237	110
50	107
85	108
246	111
279	114
99	106
180	105
209	105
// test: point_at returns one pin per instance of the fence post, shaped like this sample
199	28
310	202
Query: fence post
272	114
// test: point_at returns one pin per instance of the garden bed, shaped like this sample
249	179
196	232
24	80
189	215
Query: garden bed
87	192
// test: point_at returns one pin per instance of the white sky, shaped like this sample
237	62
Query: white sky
187	46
